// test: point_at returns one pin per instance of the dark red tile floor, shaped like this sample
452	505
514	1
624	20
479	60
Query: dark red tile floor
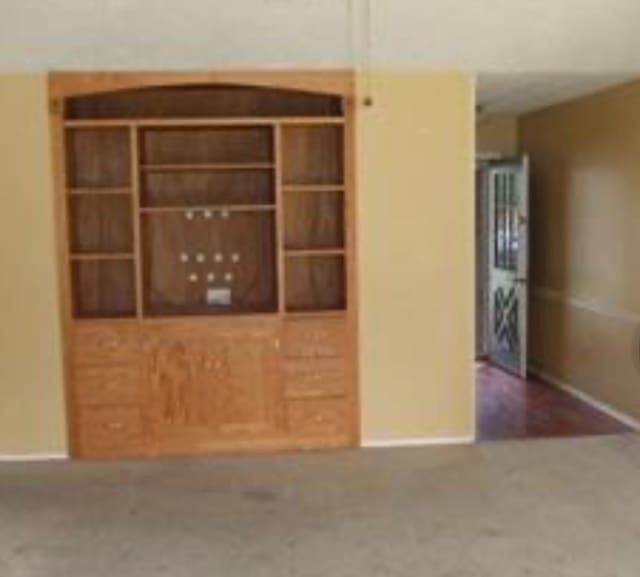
512	408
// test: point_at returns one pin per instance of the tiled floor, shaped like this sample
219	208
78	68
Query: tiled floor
512	408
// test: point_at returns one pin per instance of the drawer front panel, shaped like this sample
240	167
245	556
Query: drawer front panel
99	344
107	384
311	378
315	338
325	419
105	428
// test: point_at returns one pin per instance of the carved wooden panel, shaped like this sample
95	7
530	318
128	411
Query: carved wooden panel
248	396
209	381
188	386
181	398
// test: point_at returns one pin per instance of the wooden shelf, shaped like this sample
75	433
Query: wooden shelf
227	121
212	208
102	256
314	252
313	188
99	190
295	314
207	167
191	311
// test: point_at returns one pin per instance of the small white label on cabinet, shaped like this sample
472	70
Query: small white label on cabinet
219	296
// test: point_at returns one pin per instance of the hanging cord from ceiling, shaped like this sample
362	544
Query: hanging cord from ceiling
361	31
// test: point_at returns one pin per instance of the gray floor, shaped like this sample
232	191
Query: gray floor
550	508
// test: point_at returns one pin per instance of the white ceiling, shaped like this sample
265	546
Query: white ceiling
517	93
497	35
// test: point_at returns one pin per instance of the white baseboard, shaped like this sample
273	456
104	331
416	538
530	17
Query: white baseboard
417	442
575	392
32	457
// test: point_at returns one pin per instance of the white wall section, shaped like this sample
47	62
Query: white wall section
473	34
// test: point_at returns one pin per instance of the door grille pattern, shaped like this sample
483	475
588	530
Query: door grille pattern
506	318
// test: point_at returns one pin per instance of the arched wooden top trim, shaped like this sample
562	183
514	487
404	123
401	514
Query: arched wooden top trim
73	84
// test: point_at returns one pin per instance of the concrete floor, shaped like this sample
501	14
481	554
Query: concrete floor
547	508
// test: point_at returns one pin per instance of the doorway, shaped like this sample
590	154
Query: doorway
510	404
502	261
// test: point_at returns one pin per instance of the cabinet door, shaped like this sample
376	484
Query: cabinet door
249	399
212	384
182	402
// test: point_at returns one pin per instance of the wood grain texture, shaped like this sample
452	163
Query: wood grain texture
101	224
326	419
314	219
316	378
315	338
332	82
201	188
103	288
312	155
98	158
188	386
176	146
241	245
110	431
192	384
513	408
315	283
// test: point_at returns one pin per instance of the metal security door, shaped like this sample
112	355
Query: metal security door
509	264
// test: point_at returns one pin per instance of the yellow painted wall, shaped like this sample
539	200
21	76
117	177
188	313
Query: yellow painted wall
415	210
585	257
497	135
31	394
415	238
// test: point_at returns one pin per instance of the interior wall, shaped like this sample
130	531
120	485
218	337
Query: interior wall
497	135
585	262
31	406
415	223
415	208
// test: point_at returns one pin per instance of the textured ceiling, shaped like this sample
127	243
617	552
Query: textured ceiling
492	35
516	93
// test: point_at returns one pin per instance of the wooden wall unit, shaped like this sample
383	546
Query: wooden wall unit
206	246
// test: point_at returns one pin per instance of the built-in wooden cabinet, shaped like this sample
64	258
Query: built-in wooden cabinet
206	247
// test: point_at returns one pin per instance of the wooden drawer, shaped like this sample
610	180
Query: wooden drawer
315	338
103	429
110	384
326	419
105	344
312	378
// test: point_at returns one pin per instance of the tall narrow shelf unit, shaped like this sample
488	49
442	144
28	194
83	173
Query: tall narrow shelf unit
206	241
